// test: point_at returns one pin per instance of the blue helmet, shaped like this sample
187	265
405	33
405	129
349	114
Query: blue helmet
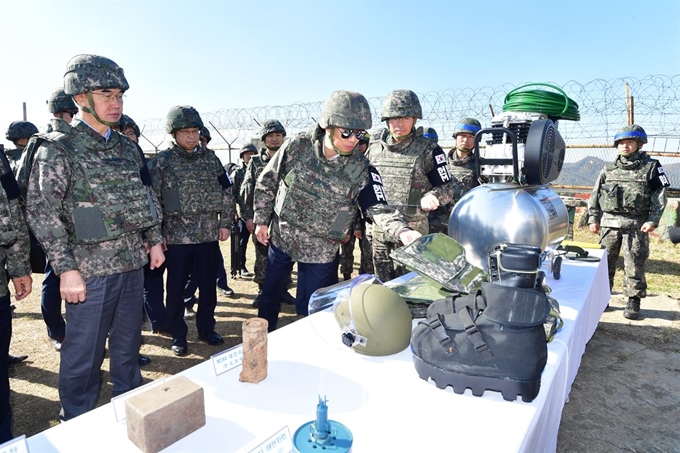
467	126
632	132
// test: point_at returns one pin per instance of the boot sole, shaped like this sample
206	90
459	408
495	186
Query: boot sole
509	388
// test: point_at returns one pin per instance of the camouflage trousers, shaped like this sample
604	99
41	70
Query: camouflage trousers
260	267
635	246
347	256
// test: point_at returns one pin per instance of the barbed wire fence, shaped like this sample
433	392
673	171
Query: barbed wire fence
603	107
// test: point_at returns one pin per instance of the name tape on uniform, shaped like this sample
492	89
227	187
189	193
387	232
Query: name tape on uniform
226	360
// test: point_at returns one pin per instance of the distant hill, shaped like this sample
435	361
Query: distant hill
581	173
585	172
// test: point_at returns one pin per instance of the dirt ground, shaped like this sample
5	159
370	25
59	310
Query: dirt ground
625	397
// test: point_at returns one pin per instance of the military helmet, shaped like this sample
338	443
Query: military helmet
364	137
248	147
375	320
125	122
270	126
20	129
182	116
632	132
59	101
205	133
467	126
346	109
86	73
430	134
400	104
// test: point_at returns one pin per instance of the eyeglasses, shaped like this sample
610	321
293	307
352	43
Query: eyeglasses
347	133
109	97
189	131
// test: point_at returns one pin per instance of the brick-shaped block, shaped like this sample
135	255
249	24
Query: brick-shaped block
164	414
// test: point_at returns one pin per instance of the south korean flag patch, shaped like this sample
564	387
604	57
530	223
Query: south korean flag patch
376	178
440	158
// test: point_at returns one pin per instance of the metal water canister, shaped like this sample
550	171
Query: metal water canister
506	212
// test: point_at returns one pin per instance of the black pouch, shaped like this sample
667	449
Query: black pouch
515	265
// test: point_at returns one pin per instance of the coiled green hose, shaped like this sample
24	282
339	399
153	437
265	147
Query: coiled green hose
555	105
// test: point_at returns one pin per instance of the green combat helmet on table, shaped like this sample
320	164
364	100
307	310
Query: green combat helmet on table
375	320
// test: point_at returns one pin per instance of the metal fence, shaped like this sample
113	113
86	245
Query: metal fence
604	106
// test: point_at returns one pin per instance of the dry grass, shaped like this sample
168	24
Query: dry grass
34	395
662	269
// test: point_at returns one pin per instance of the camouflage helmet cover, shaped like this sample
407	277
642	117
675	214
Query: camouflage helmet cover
467	126
59	101
346	109
632	132
248	148
400	104
182	116
20	129
125	122
271	126
378	315
86	73
205	133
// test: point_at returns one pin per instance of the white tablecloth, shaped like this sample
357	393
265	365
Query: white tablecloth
381	400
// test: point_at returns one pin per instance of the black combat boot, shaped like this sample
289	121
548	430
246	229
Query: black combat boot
632	310
256	302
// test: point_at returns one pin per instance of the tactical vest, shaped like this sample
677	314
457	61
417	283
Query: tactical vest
259	163
317	197
8	235
190	185
108	198
627	191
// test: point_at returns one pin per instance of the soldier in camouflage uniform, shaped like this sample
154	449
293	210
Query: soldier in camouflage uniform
198	208
272	135
91	206
414	170
221	274
62	107
308	193
247	152
18	133
14	250
358	232
461	160
626	205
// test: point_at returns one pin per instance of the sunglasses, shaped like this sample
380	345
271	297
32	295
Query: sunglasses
347	133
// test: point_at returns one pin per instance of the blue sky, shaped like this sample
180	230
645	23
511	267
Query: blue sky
228	54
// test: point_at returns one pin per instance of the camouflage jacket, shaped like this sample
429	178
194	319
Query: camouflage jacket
14	251
361	187
628	193
26	162
253	171
410	170
14	156
237	176
50	202
174	169
463	170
